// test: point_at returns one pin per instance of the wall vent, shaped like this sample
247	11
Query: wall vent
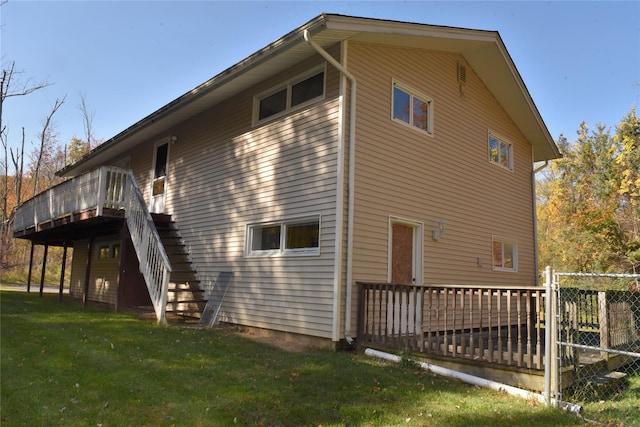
462	73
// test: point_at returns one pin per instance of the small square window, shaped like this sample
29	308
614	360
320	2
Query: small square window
500	152
265	238
504	254
273	104
413	109
302	235
104	252
307	89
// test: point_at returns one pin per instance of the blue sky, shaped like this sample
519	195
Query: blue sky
579	60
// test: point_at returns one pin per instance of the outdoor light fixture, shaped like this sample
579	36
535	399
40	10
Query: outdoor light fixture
435	234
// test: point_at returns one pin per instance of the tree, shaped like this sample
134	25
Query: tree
11	186
77	149
628	138
588	204
47	144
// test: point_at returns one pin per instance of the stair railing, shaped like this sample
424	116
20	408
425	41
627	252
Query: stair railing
154	262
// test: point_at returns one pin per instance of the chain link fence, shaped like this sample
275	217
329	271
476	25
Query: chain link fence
598	332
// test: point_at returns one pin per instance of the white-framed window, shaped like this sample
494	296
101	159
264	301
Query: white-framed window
500	151
290	95
504	254
412	108
299	236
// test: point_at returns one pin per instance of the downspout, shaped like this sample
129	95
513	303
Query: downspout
340	197
535	219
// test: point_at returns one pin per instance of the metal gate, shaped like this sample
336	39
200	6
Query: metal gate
598	336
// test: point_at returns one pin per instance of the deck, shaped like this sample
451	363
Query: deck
493	332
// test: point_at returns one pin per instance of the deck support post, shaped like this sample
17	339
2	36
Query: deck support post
87	273
62	270
44	268
30	268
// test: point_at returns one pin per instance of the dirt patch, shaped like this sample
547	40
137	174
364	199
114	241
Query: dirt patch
275	341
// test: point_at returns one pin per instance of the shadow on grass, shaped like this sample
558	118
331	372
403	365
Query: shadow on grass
63	364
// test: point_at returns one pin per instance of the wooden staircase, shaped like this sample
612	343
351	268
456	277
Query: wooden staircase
186	298
593	380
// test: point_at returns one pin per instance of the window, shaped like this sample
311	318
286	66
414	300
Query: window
500	152
412	109
299	236
291	95
106	251
504	254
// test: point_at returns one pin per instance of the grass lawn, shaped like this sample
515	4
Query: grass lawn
66	365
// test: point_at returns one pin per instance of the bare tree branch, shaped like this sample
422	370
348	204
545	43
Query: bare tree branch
87	120
7	80
44	136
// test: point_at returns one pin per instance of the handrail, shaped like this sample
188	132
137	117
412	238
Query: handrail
114	188
494	324
154	262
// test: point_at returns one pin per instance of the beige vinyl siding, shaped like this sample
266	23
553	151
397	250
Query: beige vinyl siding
404	173
225	174
103	279
78	268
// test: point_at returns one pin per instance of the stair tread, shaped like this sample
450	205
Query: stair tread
188	301
184	311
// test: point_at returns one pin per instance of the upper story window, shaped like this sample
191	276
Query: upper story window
291	95
500	151
299	236
412	108
505	254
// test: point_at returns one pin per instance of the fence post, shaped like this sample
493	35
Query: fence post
548	339
603	314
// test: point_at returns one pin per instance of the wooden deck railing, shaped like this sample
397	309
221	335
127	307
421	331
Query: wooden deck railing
101	188
502	326
106	188
605	319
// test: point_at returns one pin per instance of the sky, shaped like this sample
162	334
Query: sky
580	60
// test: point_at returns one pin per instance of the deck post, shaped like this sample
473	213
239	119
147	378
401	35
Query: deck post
30	268
44	268
87	273
62	270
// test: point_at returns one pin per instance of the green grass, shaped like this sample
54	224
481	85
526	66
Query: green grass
67	365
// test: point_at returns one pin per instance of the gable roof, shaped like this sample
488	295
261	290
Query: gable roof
483	50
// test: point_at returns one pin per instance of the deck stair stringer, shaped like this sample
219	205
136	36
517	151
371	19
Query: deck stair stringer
185	296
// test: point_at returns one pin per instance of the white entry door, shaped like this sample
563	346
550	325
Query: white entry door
159	181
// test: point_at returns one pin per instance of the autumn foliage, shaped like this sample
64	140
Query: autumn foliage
588	205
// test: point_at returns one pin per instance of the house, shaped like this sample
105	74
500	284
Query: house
351	150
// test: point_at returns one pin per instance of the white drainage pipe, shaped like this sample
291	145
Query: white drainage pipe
481	382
